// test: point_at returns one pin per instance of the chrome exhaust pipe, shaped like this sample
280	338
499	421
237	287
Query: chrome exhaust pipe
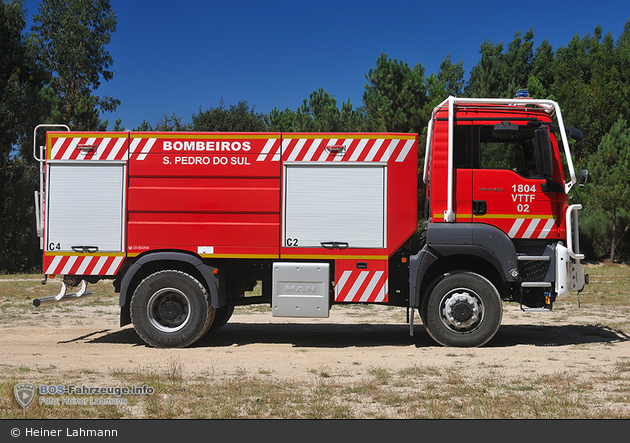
62	296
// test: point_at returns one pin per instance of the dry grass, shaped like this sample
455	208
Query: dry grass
417	392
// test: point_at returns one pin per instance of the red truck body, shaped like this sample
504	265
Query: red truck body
222	196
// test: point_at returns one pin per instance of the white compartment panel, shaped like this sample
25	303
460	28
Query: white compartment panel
85	203
335	203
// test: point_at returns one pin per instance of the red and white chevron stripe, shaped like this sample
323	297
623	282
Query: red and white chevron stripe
106	148
337	150
531	228
361	286
140	147
300	150
82	265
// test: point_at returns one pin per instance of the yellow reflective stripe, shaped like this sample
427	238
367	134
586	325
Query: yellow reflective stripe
239	255
505	216
336	257
513	216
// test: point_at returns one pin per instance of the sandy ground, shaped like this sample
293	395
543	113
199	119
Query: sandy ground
85	340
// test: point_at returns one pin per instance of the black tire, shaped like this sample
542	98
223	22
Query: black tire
170	309
221	317
463	310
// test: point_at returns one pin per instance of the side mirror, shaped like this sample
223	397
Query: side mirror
582	177
575	133
543	152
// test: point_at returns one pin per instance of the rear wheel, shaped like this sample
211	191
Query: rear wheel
463	310
171	309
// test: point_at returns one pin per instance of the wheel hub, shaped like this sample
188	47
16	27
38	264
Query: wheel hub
170	310
461	310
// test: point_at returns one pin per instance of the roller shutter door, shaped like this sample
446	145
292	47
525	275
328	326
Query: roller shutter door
85	204
335	203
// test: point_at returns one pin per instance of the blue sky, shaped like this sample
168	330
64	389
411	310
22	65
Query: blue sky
179	56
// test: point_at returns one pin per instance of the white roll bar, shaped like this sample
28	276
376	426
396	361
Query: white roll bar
42	160
39	196
573	243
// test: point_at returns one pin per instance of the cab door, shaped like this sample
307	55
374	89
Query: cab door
508	191
463	172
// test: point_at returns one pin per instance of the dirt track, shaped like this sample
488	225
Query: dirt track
79	338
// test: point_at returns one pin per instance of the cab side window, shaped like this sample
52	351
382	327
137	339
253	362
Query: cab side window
462	147
514	153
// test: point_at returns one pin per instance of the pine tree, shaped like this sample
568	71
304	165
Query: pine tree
610	190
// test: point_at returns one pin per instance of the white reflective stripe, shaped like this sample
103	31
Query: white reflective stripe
383	292
325	153
339	155
358	150
101	148
322	157
531	228
56	147
147	148
114	152
71	147
284	146
342	281
265	150
357	284
134	144
296	150
312	150
405	150
547	228
368	291
276	156
68	265
84	264
99	264
390	150
53	265
515	227
114	266
374	150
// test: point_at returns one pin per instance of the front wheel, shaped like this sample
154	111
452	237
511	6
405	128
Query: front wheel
222	316
171	309
463	310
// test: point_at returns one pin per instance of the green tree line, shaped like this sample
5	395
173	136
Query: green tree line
50	74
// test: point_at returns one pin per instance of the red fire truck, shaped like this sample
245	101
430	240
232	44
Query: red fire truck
187	224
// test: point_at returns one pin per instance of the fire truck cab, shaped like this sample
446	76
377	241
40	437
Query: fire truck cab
499	225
